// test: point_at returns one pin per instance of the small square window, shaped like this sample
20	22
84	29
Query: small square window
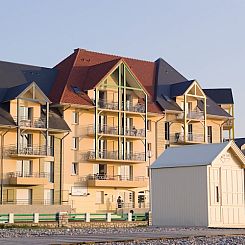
75	143
75	117
149	125
74	168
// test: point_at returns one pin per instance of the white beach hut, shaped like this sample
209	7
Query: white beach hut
199	185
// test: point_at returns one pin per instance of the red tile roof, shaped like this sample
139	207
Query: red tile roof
85	69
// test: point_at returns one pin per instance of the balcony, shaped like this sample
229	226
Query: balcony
113	131
103	180
34	151
113	155
134	132
103	104
194	115
35	122
20	178
129	106
139	108
178	138
228	124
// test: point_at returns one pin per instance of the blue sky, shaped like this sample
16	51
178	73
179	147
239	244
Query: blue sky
204	40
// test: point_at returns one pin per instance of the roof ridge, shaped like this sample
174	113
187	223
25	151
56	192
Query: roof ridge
68	77
114	55
24	64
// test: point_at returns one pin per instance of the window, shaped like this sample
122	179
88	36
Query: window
167	130
149	125
24	168
74	168
99	199
149	146
75	117
51	145
49	171
49	196
210	134
75	143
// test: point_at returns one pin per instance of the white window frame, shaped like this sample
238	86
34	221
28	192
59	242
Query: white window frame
75	143
75	117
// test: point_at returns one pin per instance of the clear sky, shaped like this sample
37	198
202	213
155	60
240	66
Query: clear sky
204	40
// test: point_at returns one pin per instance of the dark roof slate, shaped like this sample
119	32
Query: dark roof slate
220	95
239	142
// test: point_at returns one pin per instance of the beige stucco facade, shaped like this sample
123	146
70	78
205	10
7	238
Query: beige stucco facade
106	153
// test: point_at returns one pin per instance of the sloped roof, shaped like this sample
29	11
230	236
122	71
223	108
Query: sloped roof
82	69
220	95
239	142
192	155
13	75
6	119
213	108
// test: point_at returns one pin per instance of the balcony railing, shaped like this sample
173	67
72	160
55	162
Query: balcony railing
112	130
33	150
228	123
31	123
31	202
28	175
108	105
135	108
190	137
113	155
129	106
198	115
135	132
115	177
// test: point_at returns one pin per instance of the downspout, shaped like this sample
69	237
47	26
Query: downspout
2	152
61	166
156	133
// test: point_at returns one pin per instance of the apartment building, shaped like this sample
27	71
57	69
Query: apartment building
83	133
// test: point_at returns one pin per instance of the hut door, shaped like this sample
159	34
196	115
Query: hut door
232	180
215	196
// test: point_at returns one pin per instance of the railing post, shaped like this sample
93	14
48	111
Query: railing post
11	218
87	217
130	217
108	217
36	218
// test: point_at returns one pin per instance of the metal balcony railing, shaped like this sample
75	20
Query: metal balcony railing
228	123
190	137
112	130
35	122
135	108
135	132
115	177
26	201
198	115
135	156
113	155
31	150
104	104
28	175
